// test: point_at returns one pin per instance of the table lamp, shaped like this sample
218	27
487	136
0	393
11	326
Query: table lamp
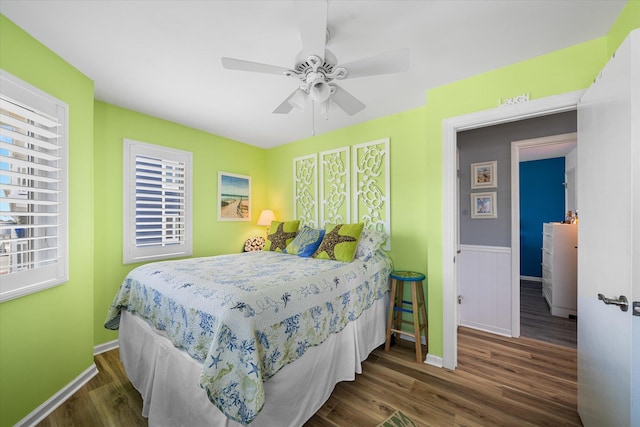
266	216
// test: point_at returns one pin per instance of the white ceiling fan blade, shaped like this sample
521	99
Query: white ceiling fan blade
297	97
239	64
283	108
394	61
346	101
312	21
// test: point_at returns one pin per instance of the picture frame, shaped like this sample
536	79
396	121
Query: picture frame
234	197
484	205
484	174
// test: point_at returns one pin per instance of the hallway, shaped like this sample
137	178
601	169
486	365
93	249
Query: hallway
536	321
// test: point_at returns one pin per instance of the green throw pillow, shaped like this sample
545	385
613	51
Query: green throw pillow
340	242
281	234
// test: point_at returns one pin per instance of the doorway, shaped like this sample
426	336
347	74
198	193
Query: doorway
535	108
488	243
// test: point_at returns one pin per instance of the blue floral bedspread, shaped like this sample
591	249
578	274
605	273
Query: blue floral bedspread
245	316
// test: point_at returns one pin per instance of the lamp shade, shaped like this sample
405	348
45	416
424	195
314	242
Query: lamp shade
266	216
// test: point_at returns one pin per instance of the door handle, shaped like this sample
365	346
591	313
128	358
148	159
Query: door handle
621	302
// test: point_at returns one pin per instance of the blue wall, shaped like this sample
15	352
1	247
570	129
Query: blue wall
541	200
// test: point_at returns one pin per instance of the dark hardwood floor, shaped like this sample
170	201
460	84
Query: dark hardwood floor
537	322
499	382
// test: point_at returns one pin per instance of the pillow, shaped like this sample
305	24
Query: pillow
370	241
339	242
306	242
254	244
280	235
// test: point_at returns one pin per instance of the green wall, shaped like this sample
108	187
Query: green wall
628	20
210	155
46	339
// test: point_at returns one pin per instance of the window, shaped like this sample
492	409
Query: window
157	202
33	189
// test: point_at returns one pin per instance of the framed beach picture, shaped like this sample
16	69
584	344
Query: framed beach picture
483	205
484	174
234	197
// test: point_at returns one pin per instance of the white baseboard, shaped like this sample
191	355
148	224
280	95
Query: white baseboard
42	411
101	348
487	328
531	278
434	360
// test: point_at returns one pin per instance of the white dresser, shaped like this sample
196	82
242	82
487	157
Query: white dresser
559	267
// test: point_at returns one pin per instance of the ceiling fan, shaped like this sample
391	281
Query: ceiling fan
318	69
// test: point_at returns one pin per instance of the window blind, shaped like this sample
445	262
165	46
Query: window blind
32	199
160	202
157	200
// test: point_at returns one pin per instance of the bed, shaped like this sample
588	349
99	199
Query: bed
256	338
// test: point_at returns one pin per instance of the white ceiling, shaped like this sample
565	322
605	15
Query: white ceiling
163	57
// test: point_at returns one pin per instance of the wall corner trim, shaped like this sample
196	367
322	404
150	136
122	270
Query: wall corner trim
434	360
42	411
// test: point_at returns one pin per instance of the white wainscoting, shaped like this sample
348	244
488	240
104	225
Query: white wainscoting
484	280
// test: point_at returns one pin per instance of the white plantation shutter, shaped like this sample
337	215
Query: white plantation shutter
160	202
157	211
33	193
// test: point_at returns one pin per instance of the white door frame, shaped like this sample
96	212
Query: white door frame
450	128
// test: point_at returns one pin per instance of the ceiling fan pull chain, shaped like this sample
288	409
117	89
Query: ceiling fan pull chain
313	118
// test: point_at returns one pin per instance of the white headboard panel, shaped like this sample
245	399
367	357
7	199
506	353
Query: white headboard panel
354	185
305	190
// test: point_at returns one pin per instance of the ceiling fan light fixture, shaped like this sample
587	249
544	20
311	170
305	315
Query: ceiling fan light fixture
319	89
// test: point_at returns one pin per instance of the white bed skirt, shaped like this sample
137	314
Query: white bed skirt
167	378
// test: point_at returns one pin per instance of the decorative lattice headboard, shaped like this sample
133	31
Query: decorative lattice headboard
348	184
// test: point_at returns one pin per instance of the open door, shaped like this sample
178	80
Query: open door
609	243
